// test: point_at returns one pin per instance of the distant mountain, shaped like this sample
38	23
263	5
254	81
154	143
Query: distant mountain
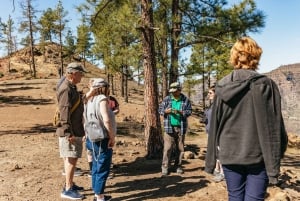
287	78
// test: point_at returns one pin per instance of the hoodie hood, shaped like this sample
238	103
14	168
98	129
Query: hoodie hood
235	84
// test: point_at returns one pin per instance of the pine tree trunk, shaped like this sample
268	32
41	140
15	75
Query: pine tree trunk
61	54
164	55
122	82
164	68
153	135
126	84
176	30
31	39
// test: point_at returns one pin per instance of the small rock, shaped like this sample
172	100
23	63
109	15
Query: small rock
16	167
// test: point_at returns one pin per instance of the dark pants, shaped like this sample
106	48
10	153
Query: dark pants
102	157
246	182
178	139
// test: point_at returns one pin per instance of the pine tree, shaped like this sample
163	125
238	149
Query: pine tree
60	26
83	44
70	47
7	38
28	26
153	135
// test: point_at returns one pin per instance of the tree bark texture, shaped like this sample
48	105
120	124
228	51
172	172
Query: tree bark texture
176	30
153	134
126	83
31	37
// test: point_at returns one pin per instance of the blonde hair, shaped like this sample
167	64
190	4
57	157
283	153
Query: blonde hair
245	54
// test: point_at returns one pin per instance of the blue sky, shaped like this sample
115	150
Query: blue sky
280	39
6	9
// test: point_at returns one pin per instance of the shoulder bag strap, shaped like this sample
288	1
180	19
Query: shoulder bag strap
97	111
75	105
85	111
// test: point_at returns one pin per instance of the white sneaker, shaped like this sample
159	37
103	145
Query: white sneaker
179	170
216	172
219	177
164	171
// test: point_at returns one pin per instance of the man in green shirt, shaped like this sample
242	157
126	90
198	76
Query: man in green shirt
175	109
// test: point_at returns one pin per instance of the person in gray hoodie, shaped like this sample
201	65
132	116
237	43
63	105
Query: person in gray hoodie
247	131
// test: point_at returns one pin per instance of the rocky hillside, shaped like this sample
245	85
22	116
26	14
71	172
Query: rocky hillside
47	63
287	78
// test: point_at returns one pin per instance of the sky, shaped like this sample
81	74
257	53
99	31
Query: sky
7	9
279	39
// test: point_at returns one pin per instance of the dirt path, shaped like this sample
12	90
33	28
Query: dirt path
31	168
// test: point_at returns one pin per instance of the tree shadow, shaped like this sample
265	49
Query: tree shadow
173	185
158	188
291	161
192	148
155	187
20	83
6	90
286	179
287	183
132	129
36	129
23	100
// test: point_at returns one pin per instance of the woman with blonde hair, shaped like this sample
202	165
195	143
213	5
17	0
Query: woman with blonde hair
247	131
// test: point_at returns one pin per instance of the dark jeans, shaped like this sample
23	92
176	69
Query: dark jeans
170	138
246	182
102	157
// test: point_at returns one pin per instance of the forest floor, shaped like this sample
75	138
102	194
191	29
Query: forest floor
31	169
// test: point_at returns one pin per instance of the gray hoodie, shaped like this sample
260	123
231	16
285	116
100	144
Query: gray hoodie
246	123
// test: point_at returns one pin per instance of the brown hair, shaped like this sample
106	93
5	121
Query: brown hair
212	88
245	54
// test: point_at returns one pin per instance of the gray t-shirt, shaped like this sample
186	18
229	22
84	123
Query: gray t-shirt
112	118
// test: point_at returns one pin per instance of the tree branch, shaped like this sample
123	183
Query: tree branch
205	39
93	19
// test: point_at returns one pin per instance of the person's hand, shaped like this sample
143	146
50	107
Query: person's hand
179	112
111	142
176	111
71	139
91	92
168	110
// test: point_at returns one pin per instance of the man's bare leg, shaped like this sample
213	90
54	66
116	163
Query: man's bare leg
70	165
